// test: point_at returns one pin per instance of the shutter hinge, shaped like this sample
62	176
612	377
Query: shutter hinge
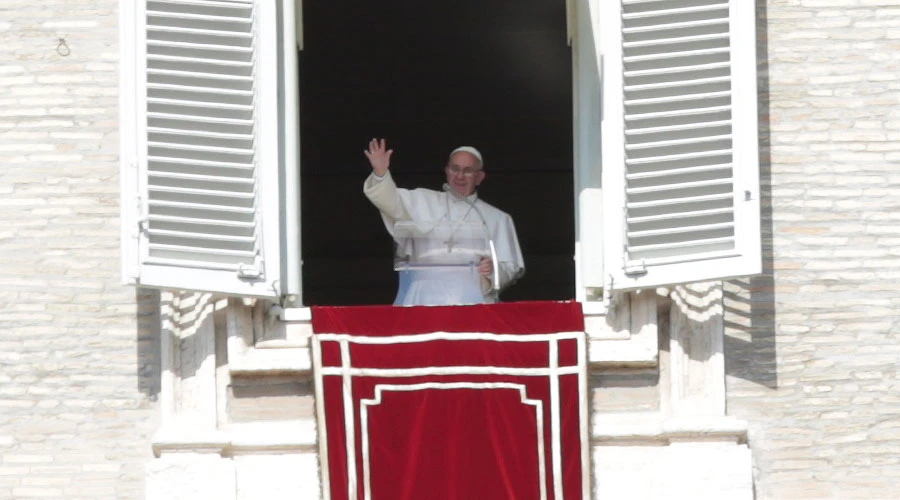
635	268
246	272
143	215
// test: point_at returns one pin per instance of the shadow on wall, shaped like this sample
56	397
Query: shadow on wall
148	342
750	303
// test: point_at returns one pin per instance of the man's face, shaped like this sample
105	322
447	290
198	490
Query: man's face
463	173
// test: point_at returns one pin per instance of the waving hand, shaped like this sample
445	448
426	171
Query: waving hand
379	158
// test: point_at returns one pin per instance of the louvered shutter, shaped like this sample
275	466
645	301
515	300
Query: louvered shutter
679	138
205	162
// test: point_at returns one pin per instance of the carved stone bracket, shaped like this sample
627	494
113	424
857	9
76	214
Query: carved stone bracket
626	335
262	342
697	366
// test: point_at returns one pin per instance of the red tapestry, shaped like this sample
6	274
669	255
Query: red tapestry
459	402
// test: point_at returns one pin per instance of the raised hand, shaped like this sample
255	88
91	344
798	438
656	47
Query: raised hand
378	157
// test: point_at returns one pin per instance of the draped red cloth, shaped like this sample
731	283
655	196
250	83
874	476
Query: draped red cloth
457	402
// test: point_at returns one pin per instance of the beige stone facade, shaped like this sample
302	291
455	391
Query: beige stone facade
798	399
77	350
811	347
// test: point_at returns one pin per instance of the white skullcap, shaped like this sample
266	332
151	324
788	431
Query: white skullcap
472	151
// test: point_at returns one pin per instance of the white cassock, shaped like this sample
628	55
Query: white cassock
425	208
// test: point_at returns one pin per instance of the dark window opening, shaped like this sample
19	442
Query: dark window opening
431	76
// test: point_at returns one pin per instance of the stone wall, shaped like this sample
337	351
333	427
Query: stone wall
812	347
78	351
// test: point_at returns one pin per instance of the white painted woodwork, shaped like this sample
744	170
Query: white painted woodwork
680	166
201	145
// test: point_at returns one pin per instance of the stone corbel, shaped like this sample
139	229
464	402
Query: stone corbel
626	334
696	374
267	340
188	389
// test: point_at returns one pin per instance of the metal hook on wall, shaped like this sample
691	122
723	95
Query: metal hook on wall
62	48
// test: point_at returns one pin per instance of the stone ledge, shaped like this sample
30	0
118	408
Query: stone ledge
286	359
300	435
256	437
188	439
295	435
638	430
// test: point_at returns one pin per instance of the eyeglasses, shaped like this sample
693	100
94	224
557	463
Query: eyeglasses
466	171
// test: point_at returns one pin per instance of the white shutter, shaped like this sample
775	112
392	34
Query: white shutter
201	169
679	138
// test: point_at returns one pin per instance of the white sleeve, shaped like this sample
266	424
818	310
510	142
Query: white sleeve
385	195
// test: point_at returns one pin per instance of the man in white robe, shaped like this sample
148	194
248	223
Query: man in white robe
444	221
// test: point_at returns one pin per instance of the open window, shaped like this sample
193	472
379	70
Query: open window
428	77
664	144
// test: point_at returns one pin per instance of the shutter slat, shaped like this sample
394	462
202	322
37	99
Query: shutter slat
195	264
677	98
671	55
672	26
162	30
199	206
680	215
207	90
200	104
661	42
199	46
199	133
677	83
204	251
679	201
199	163
231	4
677	142
202	192
202	236
673	71
706	255
197	177
675	11
679	171
197	17
197	74
200	60
679	157
681	244
680	113
202	148
201	222
199	118
679	187
679	230
677	128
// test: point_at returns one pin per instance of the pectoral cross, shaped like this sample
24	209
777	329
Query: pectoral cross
450	242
